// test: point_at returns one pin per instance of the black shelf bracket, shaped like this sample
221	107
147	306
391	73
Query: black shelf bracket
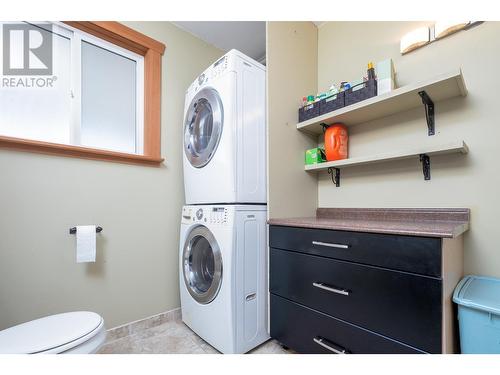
335	174
429	111
426	166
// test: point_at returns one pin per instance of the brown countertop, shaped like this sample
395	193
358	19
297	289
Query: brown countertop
423	222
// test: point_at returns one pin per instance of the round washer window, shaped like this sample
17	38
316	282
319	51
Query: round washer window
202	265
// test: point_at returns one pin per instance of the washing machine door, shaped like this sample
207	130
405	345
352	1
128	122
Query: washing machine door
202	265
203	127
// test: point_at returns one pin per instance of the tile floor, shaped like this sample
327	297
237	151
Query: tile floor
173	337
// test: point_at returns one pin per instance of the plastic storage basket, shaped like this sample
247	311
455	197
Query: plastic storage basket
478	300
309	111
361	91
331	103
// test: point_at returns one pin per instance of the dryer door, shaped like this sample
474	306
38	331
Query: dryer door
202	265
203	127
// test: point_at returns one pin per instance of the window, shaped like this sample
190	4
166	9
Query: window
40	112
111	94
95	93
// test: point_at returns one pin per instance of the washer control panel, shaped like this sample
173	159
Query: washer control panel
218	215
205	215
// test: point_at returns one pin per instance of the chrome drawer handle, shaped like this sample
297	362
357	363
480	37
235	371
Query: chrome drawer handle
335	245
330	289
322	342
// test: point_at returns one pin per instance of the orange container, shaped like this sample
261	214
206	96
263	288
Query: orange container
336	142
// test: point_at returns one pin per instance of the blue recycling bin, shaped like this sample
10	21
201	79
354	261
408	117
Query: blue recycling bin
478	300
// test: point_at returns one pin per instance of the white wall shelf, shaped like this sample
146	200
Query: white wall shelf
423	153
444	86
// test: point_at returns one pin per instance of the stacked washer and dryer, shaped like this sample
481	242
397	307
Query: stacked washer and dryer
223	282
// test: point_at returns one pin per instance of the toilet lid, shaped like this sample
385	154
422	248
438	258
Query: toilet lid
48	333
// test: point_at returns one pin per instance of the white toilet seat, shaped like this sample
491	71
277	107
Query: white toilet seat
73	332
88	344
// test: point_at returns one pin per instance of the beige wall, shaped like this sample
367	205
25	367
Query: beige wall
344	48
291	73
41	197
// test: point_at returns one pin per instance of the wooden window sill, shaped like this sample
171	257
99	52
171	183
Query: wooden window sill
77	151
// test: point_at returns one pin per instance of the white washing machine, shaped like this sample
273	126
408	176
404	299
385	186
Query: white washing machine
223	284
225	133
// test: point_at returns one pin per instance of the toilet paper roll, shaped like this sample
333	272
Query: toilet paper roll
85	243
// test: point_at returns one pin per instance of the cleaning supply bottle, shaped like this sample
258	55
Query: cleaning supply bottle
336	139
371	71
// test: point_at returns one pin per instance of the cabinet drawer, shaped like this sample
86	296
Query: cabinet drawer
405	253
403	306
308	331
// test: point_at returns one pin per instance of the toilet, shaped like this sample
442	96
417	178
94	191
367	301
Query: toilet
78	332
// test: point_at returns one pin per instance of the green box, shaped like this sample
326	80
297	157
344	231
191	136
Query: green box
315	156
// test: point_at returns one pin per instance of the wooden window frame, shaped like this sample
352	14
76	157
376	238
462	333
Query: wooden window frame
152	51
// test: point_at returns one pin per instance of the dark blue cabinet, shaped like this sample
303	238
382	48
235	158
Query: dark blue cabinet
360	292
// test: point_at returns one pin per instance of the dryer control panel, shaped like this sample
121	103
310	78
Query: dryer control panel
219	67
205	215
214	71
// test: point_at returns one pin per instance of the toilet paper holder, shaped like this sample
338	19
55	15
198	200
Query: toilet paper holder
73	230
